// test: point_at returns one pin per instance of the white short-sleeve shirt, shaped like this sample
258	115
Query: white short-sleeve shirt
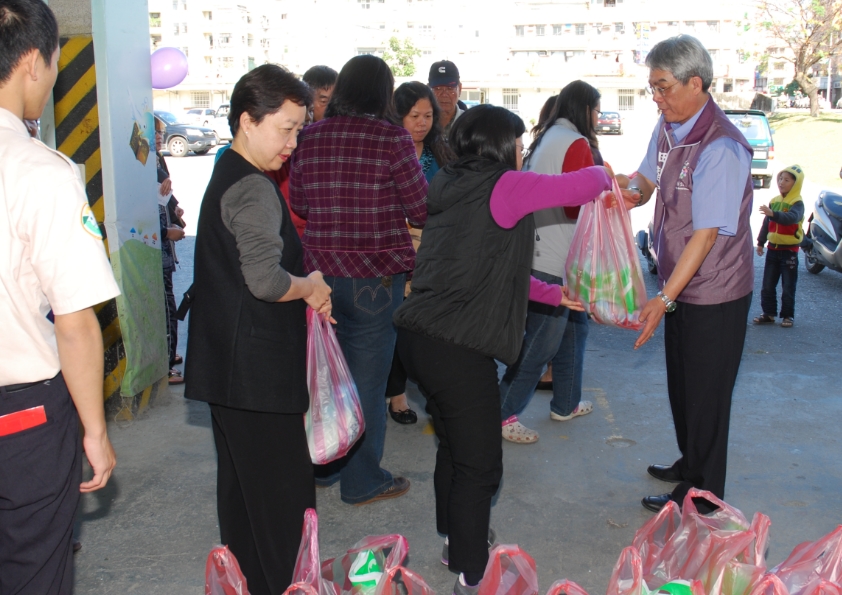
51	252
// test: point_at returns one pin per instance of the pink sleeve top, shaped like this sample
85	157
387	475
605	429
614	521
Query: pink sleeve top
517	194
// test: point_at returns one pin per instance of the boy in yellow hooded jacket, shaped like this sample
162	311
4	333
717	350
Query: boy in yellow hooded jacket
782	230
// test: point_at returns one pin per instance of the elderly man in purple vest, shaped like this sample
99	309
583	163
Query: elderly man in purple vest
701	166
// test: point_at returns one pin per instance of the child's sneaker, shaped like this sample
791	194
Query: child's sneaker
514	431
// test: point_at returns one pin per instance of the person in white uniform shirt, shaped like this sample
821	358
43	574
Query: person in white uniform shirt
51	373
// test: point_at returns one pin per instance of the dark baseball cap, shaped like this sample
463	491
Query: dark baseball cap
443	73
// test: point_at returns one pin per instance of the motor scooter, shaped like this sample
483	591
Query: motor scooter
823	240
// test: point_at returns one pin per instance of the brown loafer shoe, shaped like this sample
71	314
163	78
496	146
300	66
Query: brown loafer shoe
175	377
398	489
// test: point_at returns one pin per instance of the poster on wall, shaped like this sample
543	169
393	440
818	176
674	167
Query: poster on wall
129	175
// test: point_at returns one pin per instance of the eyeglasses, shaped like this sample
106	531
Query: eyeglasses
662	91
445	90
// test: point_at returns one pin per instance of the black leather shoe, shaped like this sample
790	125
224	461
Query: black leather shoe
655	503
664	473
405	417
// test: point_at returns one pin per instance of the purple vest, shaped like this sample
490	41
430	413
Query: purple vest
727	272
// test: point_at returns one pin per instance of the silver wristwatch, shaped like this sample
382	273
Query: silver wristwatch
669	304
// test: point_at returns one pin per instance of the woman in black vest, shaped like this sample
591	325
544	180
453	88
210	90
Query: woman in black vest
248	333
467	308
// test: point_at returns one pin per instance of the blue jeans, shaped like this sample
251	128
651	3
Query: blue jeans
783	265
363	311
557	335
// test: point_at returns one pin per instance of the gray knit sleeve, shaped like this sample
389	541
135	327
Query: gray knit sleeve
252	212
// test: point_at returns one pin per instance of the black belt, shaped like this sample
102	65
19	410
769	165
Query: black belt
13	388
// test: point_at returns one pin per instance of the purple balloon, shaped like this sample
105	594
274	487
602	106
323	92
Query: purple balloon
169	67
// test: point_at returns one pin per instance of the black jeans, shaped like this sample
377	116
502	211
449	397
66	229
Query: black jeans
703	347
783	265
264	484
40	473
463	398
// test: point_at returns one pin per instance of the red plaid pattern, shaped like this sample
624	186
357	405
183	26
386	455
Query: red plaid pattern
357	180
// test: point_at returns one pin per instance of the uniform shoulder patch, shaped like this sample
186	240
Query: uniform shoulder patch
89	222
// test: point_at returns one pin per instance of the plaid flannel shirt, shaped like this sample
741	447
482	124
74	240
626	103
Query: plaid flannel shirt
357	180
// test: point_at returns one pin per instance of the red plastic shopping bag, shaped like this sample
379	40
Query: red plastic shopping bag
510	571
566	587
812	560
361	569
654	535
223	575
603	269
627	579
402	581
335	419
769	585
307	577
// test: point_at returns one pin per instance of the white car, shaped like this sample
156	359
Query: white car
199	116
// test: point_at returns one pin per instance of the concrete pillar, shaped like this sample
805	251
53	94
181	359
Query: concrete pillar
72	124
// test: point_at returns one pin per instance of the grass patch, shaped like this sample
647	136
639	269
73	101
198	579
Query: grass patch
813	143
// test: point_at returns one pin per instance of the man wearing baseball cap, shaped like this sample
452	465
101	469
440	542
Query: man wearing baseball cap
444	81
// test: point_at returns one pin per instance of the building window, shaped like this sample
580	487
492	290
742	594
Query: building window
224	39
539	30
186	51
779	65
284	17
425	30
176	28
778	82
510	97
183	4
200	98
365	4
184	27
227	62
175	4
625	99
690	24
154	19
156	41
580	28
250	41
714	55
519	30
619	28
366	51
610	3
556	29
713	26
207	15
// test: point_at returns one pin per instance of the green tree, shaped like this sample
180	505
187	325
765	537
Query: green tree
401	56
810	30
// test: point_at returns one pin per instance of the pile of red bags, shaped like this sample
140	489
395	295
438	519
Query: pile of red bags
679	552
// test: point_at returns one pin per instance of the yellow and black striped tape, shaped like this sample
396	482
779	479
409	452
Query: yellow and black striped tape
77	136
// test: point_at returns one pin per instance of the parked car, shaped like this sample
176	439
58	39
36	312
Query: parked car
609	122
755	127
200	116
181	138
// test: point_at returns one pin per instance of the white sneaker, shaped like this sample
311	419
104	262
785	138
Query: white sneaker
583	408
461	588
514	431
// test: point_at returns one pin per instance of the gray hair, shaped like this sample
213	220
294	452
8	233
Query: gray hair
685	57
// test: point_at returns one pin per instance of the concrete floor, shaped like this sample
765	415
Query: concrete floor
572	500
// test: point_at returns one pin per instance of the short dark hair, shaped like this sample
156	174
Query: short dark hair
406	96
489	131
364	86
263	91
25	25
575	103
320	77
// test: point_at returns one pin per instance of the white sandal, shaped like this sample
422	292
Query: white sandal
516	432
583	408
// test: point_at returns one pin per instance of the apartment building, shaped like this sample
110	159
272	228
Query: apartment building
221	40
513	53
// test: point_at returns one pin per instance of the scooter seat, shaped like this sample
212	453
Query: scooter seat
832	203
